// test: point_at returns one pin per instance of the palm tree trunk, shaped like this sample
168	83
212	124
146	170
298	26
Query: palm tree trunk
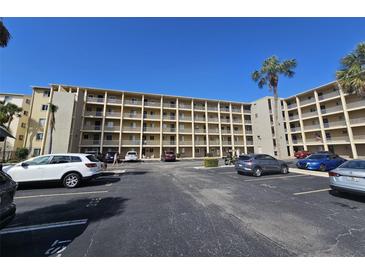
276	119
50	141
4	148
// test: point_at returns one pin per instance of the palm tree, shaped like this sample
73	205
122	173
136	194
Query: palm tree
4	35
268	74
7	113
53	109
351	76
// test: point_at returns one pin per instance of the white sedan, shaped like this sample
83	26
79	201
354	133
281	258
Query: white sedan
70	169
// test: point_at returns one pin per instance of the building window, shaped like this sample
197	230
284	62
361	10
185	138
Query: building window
27	101
36	152
39	136
86	136
21	137
46	93
42	122
44	107
109	137
23	125
25	113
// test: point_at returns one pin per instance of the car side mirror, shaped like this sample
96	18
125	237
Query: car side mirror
24	164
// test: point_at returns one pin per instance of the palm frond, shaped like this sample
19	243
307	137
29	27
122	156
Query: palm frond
4	35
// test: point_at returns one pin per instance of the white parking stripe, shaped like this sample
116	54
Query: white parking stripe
312	191
11	230
60	194
275	177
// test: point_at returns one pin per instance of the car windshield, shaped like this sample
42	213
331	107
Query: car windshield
131	153
92	158
244	157
354	165
38	160
170	153
318	156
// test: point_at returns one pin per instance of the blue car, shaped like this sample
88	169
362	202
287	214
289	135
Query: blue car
321	161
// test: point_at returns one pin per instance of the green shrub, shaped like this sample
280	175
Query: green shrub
21	153
210	162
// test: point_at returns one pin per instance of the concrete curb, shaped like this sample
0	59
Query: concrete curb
308	172
202	167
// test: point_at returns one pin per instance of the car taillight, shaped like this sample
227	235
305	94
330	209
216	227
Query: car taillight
90	165
333	174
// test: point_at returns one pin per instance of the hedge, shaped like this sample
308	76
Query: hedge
210	162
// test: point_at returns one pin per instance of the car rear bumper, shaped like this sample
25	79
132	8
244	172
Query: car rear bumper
7	214
348	189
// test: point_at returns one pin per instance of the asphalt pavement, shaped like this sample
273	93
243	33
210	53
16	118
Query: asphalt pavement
179	209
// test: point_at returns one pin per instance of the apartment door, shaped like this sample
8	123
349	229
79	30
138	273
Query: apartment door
99	111
97	125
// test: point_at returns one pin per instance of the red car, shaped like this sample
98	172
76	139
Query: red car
168	156
301	154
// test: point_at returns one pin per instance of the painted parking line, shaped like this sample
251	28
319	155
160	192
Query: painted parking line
60	194
312	191
275	177
19	229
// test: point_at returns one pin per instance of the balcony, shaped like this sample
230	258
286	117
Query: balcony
249	143
226	143
331	110
151	117
212	108
314	140
307	101
131	142
224	109
213	130
152	104
185	130
133	102
359	138
338	139
111	143
199	130
132	115
357	121
169	129
246	111
111	128
227	121
328	95
185	143
150	142
297	141
92	127
309	114
225	131
200	143
293	117
90	142
248	132
295	129
236	110
169	117
169	143
185	118
237	121
169	105
248	122
357	104
94	113
95	100
184	106
214	142
199	107
213	120
151	129
291	106
114	101
133	129
112	114
334	124
237	132
311	127
199	118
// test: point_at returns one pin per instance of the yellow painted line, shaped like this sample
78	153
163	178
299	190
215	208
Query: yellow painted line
60	194
275	177
312	191
309	172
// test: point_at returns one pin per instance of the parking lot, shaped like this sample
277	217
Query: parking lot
180	209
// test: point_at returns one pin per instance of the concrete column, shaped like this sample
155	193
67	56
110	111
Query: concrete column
319	113
45	131
348	124
206	126
161	122
121	125
231	126
83	118
103	122
192	129
141	131
220	130
288	130
301	123
244	129
177	126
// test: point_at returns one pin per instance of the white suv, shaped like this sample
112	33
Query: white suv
70	169
131	156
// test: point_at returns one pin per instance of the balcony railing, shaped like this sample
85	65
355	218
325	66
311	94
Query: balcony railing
328	95
295	129
90	142
112	114
355	121
213	130
309	114
357	104
294	117
313	140
94	113
112	128
131	142
212	108
237	121
92	127
249	143
185	130
134	129
359	137
152	104
169	105
185	143
111	142
151	116
334	124
291	106
199	130
169	117
297	141
199	118
169	143
248	131
185	118
331	109
214	142
114	101
247	111
95	100
213	120
150	142
199	107
309	127
184	106
151	129
307	101
169	129
225	131
238	132
248	121
237	110
223	120
200	143
338	139
132	115
226	143
133	102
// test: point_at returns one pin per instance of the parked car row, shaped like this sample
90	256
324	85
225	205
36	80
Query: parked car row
322	161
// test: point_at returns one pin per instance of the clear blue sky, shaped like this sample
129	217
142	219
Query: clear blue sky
201	57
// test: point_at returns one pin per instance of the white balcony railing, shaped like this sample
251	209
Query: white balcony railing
185	118
199	130
309	114
92	127
307	101
335	124
95	100
199	118
185	143
331	109
237	121
291	106
338	139
151	116
223	120
90	142
150	142
131	142
169	143
133	102
184	106
169	117
134	129
152	104
356	121
293	117
212	108
213	120
169	129
94	113
214	142
151	129
213	130
114	101
132	115
111	128
185	130
310	127
328	95
248	121
169	105
111	142
359	137
225	131
112	114
357	104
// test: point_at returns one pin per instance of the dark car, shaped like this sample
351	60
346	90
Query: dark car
321	161
301	154
168	156
258	164
7	192
109	157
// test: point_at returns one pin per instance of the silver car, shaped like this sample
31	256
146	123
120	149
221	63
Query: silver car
349	177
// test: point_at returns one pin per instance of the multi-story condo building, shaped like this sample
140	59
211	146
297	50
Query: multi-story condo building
18	125
99	120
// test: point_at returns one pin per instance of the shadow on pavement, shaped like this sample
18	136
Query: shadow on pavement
350	196
51	241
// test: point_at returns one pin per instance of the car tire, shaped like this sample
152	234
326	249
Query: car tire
239	172
322	167
284	169
257	172
71	180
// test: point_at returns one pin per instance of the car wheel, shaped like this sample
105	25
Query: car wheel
239	172
284	169
257	172
322	167
71	180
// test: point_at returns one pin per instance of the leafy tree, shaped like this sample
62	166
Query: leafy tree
351	75
4	35
21	153
268	75
53	109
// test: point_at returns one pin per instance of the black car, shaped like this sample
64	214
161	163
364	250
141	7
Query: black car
7	192
109	157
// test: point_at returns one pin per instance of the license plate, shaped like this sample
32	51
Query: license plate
353	179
